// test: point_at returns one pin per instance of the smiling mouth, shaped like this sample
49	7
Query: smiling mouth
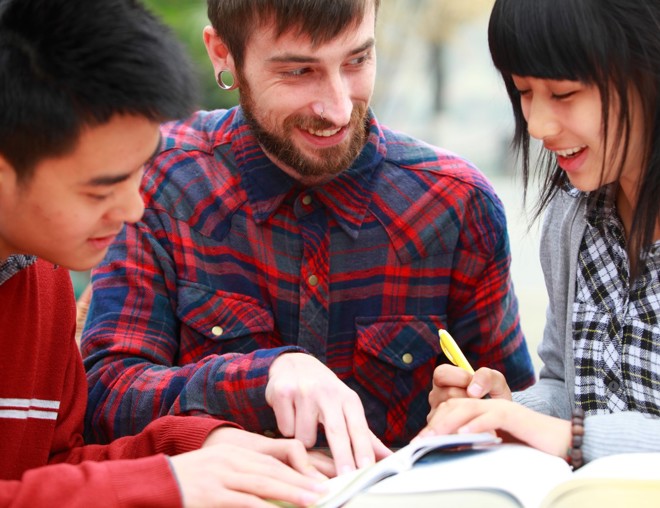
323	133
570	152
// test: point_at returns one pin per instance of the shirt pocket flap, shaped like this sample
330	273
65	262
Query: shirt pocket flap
404	342
219	315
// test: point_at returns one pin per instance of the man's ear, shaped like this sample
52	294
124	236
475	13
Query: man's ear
218	52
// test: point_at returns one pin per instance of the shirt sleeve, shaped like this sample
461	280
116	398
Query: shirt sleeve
122	483
137	368
483	308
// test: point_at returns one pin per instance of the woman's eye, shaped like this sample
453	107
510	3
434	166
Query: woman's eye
560	96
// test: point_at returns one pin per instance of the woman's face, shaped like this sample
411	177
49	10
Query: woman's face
567	117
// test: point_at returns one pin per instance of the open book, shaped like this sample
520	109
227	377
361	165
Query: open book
344	487
515	476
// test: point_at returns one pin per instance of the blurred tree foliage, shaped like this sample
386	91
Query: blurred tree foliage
187	19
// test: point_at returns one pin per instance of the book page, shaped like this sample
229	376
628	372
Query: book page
628	479
346	486
526	473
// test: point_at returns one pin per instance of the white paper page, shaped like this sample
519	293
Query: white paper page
639	466
345	486
526	473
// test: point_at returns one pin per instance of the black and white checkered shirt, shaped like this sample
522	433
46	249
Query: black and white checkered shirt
616	327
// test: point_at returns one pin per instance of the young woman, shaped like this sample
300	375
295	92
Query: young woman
583	78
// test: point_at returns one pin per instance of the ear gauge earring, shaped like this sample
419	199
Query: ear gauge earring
222	83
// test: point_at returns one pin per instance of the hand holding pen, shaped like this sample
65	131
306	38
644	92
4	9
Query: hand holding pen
456	356
460	381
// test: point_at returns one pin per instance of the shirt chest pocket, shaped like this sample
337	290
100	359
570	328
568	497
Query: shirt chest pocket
394	362
222	322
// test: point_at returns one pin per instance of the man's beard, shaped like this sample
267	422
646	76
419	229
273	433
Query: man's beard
327	162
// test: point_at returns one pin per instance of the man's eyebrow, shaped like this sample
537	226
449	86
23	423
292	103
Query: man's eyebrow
104	181
107	180
294	58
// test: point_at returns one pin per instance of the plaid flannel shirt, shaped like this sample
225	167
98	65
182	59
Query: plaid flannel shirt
235	263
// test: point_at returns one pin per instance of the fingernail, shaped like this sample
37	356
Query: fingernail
321	487
346	469
475	390
365	462
426	431
309	498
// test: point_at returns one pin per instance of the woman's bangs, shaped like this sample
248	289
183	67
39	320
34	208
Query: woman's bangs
537	38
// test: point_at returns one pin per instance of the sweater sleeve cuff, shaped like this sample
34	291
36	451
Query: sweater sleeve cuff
145	482
180	434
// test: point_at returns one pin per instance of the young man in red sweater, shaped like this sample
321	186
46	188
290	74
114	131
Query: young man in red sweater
83	87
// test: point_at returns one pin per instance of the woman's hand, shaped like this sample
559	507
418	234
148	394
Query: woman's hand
464	415
450	382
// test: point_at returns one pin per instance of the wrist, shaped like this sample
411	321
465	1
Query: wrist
574	454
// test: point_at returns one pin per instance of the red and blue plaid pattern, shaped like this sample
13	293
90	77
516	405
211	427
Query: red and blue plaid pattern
235	263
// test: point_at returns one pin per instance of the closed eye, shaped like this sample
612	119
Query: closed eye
98	197
562	96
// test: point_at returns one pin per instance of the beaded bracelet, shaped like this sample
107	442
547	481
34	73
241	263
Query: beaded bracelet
575	458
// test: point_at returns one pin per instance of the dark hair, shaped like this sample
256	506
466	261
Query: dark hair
612	44
235	20
68	64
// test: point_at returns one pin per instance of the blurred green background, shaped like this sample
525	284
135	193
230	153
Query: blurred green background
188	18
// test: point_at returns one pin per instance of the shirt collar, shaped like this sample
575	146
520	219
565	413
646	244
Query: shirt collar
601	208
346	197
14	264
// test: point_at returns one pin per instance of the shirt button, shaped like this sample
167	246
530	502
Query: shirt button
407	358
217	331
613	386
313	280
307	200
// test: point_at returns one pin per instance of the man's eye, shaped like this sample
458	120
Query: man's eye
296	72
98	197
360	59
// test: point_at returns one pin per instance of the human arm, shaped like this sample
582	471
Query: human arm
482	305
150	348
220	474
124	473
550	395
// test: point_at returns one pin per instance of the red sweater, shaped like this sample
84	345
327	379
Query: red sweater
43	394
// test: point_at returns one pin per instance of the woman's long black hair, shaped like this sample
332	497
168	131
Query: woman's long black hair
612	44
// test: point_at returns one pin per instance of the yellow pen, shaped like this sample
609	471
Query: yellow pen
453	352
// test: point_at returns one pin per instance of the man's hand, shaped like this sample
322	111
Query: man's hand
304	393
228	475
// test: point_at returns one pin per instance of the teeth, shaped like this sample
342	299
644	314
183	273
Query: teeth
324	133
570	151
